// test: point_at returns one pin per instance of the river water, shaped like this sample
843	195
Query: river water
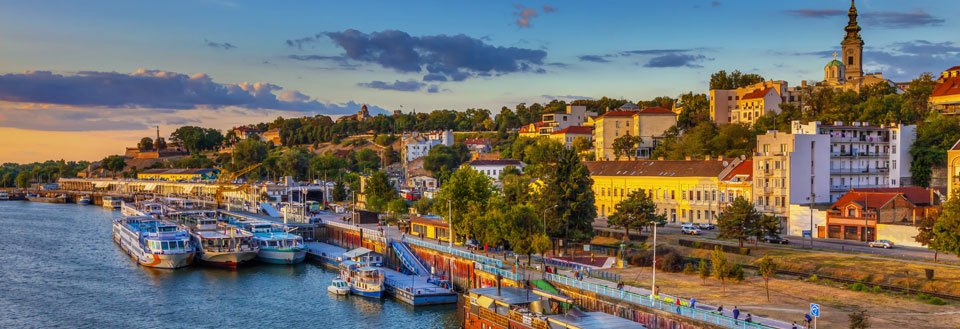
59	267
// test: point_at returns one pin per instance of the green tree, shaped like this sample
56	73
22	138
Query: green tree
925	234
294	162
567	186
398	208
934	137
145	144
635	212
721	267
248	152
522	226
442	160
945	236
339	193
767	269
540	244
466	192
114	164
23	179
378	192
733	80
703	270
581	144
738	221
625	145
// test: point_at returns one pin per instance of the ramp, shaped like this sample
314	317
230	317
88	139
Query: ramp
269	209
409	260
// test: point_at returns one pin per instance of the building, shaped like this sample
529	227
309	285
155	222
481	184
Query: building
650	124
880	214
863	155
430	227
756	104
244	132
946	94
533	130
362	114
738	183
477	145
417	145
847	72
177	175
722	104
272	136
567	135
746	104
494	306
684	191
573	115
953	170
789	169
493	168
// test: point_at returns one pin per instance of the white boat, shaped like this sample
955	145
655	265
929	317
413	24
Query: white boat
4	196
152	242
84	200
143	208
277	246
339	287
364	280
219	244
110	202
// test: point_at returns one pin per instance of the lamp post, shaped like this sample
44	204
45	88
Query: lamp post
653	285
542	255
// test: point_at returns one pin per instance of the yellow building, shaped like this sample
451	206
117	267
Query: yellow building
953	170
753	105
534	130
650	124
430	228
684	191
567	135
946	94
176	175
737	183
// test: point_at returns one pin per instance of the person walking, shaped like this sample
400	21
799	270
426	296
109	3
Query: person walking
794	325
736	313
677	301
693	302
749	318
720	310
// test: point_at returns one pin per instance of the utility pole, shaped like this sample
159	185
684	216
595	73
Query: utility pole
450	216
653	285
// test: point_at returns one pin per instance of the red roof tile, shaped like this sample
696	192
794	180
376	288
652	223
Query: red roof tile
947	87
744	168
665	168
619	114
759	93
526	128
580	130
873	200
915	194
656	110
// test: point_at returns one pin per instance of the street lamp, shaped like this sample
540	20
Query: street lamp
653	286
545	217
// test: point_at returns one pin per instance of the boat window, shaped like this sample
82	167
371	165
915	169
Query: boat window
180	244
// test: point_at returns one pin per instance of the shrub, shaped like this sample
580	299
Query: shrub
932	300
688	269
737	273
876	289
858	287
812	278
670	262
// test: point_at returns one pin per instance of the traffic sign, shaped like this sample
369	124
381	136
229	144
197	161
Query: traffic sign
806	234
815	310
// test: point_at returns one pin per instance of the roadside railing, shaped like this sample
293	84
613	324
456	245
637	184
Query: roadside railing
647	301
456	252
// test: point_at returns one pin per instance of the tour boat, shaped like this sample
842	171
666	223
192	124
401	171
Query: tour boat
111	203
364	280
60	198
83	200
277	246
219	244
152	242
4	196
339	287
143	208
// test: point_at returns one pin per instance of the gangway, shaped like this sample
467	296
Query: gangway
270	210
409	260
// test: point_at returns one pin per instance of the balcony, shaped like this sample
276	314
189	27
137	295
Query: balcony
858	171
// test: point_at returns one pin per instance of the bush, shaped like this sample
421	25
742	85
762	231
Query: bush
670	262
876	289
737	273
812	278
932	300
858	287
688	269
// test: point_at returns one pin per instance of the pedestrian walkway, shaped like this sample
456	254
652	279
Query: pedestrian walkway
727	311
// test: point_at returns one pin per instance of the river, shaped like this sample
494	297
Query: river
59	267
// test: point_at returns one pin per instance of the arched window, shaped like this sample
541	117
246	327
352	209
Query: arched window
849	60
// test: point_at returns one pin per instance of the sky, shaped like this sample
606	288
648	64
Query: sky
80	80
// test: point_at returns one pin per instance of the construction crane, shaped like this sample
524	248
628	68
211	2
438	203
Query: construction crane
225	182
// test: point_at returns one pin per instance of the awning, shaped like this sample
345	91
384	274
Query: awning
189	189
357	252
149	187
101	184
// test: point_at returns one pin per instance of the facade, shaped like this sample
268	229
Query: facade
953	170
574	115
862	155
946	94
416	145
738	183
650	124
880	214
493	168
478	145
731	105
755	104
567	135
272	136
684	191
532	130
175	175
722	103
245	132
788	170
430	227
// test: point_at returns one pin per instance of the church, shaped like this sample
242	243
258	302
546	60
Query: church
846	73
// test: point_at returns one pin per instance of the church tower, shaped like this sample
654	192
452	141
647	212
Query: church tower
852	46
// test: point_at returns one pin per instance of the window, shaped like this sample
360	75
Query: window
683	213
894	164
850	60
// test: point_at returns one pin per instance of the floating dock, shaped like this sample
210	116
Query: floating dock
326	254
416	290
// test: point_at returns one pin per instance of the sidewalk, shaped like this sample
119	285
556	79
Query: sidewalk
727	309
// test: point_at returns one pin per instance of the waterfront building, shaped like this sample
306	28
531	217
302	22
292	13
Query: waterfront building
946	94
176	175
880	214
567	135
684	190
430	227
416	144
518	308
493	168
650	124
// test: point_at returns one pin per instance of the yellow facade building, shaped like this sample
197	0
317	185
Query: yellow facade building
953	170
684	191
650	124
176	175
430	228
946	94
567	135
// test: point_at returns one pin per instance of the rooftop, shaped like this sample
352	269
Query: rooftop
866	199
500	162
663	168
575	130
759	93
619	113
947	87
915	194
507	295
744	168
656	110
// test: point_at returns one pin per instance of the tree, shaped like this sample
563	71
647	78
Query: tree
859	319
734	80
721	266
738	221
581	144
339	192
934	137
442	160
703	270
467	193
145	144
378	192
248	152
160	144
636	211
945	237
23	179
398	208
113	163
522	226
294	162
767	268
925	234
567	186
540	244
625	145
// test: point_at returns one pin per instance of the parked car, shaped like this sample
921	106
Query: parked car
774	239
707	226
885	244
472	244
689	229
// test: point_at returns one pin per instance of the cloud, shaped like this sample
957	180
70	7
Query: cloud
906	60
524	15
433	89
819	53
409	85
593	58
715	4
565	97
453	57
878	19
218	45
548	9
299	43
158	90
676	60
59	119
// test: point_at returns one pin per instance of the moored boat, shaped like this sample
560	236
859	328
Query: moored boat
219	244
60	198
83	200
364	280
339	287
110	202
4	196
152	242
277	246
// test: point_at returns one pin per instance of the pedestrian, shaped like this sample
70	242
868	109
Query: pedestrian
678	305
808	319
720	310
794	325
693	302
736	313
749	318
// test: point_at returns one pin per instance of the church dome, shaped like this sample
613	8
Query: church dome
835	62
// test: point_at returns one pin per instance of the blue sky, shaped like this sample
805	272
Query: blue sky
393	53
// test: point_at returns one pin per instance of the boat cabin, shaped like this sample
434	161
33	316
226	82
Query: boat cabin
364	256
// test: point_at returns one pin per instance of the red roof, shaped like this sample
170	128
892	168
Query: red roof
947	87
759	93
873	200
619	114
915	194
656	110
744	168
526	128
476	141
955	68
579	130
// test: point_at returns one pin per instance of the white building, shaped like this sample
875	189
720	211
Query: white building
574	115
864	156
788	170
493	168
417	145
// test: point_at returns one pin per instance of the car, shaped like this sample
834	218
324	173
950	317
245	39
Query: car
472	244
774	239
706	226
885	244
689	229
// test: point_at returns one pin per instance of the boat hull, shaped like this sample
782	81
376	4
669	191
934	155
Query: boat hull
227	259
47	200
131	246
338	291
366	293
83	202
281	257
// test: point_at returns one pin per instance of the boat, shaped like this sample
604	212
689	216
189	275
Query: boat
277	246
110	202
339	287
153	242
143	208
364	280
218	244
4	196
60	198
84	200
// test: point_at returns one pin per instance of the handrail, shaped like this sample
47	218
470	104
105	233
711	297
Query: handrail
648	301
456	252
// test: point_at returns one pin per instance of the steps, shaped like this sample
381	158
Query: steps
409	260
